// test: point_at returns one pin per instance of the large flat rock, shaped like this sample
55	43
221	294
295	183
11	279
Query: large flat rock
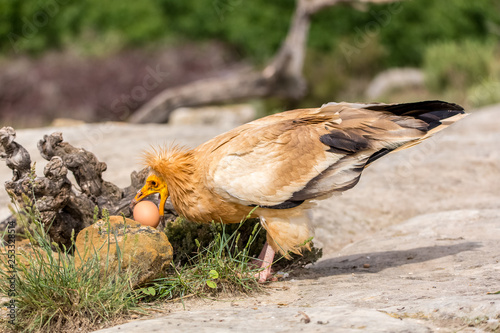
430	273
274	319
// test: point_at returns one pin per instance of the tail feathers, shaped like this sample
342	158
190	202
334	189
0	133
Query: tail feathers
433	118
438	125
437	115
417	108
433	113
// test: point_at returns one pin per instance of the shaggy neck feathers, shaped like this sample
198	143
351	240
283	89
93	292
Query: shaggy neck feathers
176	167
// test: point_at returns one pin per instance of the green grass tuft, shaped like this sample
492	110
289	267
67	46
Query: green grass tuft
52	294
222	267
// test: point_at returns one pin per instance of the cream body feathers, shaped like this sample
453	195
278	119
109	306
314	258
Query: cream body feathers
282	162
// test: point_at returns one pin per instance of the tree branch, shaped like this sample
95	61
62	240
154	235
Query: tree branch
282	77
52	197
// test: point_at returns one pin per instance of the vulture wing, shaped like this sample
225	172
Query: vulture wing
282	160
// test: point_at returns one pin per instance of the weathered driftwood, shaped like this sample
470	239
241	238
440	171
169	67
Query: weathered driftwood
59	204
16	156
282	77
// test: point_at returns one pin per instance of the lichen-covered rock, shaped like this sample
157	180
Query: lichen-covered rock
127	245
21	249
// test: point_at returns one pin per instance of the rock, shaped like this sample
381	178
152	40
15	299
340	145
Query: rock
227	115
143	249
66	122
26	255
23	250
433	273
273	319
394	78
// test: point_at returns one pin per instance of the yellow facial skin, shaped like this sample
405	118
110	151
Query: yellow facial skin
153	185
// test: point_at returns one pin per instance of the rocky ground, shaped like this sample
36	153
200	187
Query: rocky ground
430	273
412	248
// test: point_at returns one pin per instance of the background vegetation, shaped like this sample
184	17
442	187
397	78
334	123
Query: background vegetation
455	41
255	28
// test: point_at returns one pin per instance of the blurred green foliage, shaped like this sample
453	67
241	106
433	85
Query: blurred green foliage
424	22
255	28
459	65
468	67
486	92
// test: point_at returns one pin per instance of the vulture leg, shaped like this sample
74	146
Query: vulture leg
265	261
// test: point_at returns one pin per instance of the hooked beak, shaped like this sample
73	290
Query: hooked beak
146	191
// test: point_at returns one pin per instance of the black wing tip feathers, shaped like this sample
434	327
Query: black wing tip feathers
415	108
431	112
433	118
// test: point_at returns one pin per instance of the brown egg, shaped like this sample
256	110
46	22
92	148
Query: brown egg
146	213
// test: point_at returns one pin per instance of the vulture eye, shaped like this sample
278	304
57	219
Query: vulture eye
153	183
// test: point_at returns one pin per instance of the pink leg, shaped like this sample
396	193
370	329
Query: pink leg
265	259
